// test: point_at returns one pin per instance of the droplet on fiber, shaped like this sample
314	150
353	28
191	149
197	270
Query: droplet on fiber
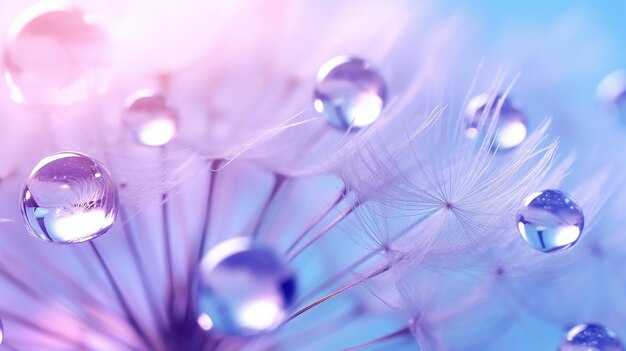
509	127
55	56
349	92
550	221
69	198
243	289
149	118
591	337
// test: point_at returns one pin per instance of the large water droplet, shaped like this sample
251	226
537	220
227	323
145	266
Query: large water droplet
149	118
69	198
550	221
243	289
54	56
591	337
350	93
510	126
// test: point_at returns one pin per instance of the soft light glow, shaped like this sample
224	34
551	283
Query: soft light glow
75	226
260	314
205	322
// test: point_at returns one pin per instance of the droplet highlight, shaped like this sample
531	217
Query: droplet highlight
591	337
349	92
509	122
69	198
550	221
149	118
55	56
243	289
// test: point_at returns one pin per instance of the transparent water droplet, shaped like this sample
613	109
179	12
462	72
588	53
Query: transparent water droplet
54	56
69	198
509	129
149	118
243	289
612	94
550	221
591	337
349	92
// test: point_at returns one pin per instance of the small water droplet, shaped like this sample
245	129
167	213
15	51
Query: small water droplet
63	201
149	118
612	94
550	221
54	56
510	126
349	92
591	337
243	289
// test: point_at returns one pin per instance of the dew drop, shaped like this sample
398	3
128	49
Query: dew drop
149	118
550	221
54	57
591	337
349	92
612	93
510	126
243	289
69	198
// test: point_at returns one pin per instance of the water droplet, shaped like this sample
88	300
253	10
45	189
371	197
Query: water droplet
149	118
243	289
550	221
510	126
591	337
54	56
350	93
69	198
612	93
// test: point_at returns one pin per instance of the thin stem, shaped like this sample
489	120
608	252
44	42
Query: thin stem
141	269
207	214
315	221
167	243
323	231
399	332
340	291
279	180
130	317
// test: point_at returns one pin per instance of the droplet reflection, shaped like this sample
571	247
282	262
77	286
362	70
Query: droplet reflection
591	337
68	198
510	127
550	221
149	118
54	56
243	289
349	92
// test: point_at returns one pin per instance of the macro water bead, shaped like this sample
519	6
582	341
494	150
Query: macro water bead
550	221
498	118
243	289
55	56
591	337
149	118
68	198
349	92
